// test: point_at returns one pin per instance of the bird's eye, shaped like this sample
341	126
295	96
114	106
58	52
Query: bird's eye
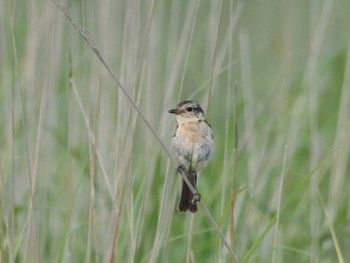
189	108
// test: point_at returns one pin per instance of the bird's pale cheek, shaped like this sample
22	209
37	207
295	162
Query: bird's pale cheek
180	119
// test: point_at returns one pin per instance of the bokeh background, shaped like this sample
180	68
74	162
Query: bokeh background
82	178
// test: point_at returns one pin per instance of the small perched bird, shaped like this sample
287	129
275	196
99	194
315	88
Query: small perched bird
191	148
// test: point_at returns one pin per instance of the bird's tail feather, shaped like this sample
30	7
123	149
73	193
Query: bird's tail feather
187	201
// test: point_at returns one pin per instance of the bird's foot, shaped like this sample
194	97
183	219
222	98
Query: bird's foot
196	198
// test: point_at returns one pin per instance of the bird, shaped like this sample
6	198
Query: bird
191	149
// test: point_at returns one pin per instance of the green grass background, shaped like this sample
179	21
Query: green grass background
82	178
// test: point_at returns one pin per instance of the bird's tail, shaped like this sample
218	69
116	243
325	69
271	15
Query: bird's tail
187	201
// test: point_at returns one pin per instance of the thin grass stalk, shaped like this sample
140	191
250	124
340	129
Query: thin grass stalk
164	217
310	82
226	158
93	175
142	213
128	147
341	142
234	170
143	48
235	99
278	210
113	256
217	27
332	230
89	243
184	44
66	242
31	251
123	191
11	223
172	61
189	239
188	49
2	210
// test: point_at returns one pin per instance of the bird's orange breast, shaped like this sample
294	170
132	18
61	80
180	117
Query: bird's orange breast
190	131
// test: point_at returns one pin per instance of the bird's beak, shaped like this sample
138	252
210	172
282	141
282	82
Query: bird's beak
174	111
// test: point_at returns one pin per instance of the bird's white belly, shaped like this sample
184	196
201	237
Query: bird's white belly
190	150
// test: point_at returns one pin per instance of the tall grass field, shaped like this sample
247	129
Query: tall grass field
85	89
